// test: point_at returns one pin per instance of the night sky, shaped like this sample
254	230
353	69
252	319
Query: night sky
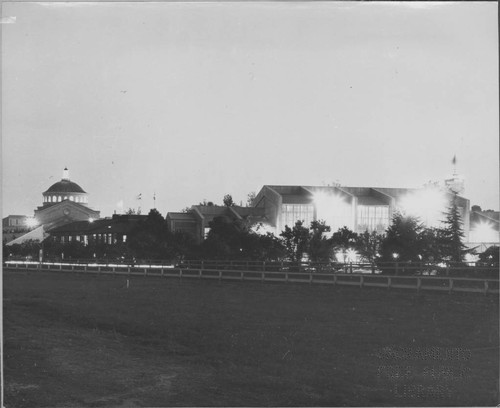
192	101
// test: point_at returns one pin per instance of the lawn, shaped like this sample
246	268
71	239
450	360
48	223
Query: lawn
89	341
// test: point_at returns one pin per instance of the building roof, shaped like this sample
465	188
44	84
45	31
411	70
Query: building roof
370	200
64	186
180	216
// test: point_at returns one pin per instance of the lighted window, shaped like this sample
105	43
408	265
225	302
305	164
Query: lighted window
373	218
291	213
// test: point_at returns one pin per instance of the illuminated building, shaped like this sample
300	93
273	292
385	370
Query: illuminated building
63	202
357	208
484	229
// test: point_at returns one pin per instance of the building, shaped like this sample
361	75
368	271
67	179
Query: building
63	202
358	208
484	229
197	220
104	231
14	226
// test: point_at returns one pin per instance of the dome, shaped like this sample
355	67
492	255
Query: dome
65	186
65	190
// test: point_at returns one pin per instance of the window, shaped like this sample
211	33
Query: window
291	213
373	218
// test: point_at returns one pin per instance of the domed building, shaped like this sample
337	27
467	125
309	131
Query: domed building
64	202
64	190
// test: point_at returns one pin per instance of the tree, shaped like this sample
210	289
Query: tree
295	240
250	198
368	245
343	240
320	247
452	248
148	239
228	200
490	257
402	240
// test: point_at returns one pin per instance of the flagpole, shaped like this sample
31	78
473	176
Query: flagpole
154	201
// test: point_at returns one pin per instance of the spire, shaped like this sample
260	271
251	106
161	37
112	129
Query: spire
65	174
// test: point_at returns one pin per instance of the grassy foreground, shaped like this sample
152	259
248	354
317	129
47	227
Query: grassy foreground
89	341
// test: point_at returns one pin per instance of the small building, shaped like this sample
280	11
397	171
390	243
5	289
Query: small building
197	220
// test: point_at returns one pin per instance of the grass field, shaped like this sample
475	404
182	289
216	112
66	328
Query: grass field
76	340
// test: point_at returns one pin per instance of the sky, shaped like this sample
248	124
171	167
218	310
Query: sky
189	101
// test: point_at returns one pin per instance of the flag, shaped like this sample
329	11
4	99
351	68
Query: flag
139	197
454	161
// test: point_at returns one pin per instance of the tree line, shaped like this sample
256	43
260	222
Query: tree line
406	240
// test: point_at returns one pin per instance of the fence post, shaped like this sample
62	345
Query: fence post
350	267
451	286
241	275
128	270
200	273
161	271
85	268
263	276
286	277
145	271
389	281
220	275
264	266
310	277
419	284
180	273
99	269
361	281
485	287
334	279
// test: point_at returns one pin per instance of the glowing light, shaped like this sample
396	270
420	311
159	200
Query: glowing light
31	222
333	209
352	255
395	255
91	220
263	229
470	258
428	204
483	232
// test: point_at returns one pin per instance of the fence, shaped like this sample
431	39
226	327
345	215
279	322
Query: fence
285	274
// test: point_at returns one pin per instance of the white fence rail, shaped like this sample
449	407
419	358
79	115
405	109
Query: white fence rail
418	283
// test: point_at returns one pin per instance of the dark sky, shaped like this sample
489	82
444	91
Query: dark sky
192	101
